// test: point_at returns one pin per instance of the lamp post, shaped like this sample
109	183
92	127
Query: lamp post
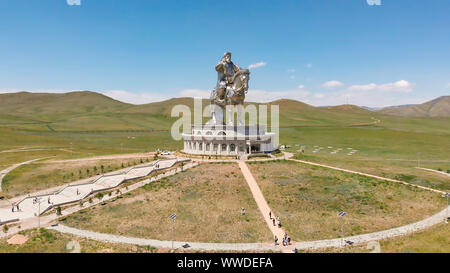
446	195
173	217
341	215
38	200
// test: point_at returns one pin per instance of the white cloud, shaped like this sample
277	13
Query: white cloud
301	86
308	65
319	96
267	96
398	86
195	93
135	98
256	65
291	70
292	77
332	84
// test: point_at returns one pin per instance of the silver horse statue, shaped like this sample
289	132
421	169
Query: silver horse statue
232	85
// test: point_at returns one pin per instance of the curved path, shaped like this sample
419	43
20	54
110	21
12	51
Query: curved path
104	237
309	245
435	171
7	170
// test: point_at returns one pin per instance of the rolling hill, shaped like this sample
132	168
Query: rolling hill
439	107
86	111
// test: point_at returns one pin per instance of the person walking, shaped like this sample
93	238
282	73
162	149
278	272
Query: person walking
276	240
273	220
270	215
243	211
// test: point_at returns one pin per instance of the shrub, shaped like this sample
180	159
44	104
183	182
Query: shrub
58	211
5	228
99	195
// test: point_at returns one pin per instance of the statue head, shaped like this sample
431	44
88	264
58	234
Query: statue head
227	57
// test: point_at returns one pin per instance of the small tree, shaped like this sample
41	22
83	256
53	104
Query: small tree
87	172
5	228
122	165
58	211
103	168
95	169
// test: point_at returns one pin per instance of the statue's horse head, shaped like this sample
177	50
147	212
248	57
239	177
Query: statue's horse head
239	86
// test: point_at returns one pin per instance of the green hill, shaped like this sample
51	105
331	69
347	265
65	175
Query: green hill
439	107
86	111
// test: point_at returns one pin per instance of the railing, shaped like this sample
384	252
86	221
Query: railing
99	190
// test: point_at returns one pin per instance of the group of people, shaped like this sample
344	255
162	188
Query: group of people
286	240
278	219
15	206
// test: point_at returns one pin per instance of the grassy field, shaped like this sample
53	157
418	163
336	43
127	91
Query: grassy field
432	240
308	199
207	199
42	175
380	151
49	241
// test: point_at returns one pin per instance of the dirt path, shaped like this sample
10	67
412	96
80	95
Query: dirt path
436	171
263	206
368	175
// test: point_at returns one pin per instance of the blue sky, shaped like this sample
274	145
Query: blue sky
323	52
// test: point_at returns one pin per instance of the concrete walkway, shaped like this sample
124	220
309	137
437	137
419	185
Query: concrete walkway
264	207
46	220
33	206
103	237
376	236
308	245
7	170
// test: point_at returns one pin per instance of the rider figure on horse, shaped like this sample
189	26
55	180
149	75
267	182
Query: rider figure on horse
225	69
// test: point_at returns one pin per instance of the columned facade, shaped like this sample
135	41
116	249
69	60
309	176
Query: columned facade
223	140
